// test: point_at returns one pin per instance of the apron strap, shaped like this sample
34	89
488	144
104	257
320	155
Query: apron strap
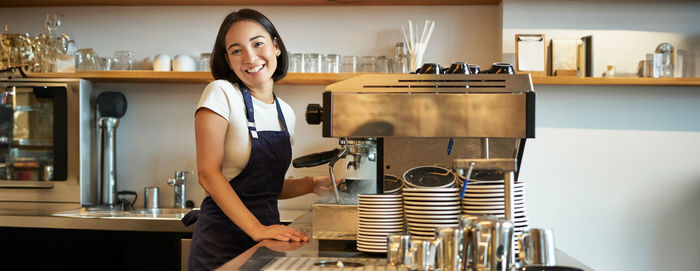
280	115
250	115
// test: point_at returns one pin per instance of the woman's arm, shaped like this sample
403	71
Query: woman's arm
298	187
210	134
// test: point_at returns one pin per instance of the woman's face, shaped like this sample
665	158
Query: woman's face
251	53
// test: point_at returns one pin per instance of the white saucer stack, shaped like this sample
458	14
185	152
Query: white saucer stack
429	208
378	216
487	198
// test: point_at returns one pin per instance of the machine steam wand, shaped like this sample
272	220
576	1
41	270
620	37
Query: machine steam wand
335	159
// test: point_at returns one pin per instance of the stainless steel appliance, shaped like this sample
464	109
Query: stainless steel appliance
43	155
412	117
110	106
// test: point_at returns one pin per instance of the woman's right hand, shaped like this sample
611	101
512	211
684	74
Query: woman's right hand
278	232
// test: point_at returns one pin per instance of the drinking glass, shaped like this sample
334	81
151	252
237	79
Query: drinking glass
349	64
204	64
382	65
312	63
296	62
368	64
85	60
331	63
125	60
400	58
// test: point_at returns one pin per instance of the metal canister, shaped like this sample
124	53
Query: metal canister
150	197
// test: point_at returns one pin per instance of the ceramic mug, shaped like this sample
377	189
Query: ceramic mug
161	62
184	63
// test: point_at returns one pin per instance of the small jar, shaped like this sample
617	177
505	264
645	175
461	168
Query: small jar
312	63
296	62
383	65
85	60
204	62
331	63
368	64
349	64
125	60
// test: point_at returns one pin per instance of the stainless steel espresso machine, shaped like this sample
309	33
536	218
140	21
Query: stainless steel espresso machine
391	116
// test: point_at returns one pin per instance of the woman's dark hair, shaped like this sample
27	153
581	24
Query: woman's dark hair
219	66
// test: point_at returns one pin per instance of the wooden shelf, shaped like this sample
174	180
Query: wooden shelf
187	77
621	81
329	78
37	3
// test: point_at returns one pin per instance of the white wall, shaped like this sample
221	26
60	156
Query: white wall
467	33
617	199
623	31
614	170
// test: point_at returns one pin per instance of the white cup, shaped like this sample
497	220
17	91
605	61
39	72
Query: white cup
161	62
184	63
147	63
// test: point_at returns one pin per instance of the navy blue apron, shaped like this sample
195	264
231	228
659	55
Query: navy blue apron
216	239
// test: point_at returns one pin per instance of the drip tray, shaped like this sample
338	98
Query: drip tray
318	263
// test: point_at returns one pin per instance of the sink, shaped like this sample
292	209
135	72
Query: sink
161	211
155	214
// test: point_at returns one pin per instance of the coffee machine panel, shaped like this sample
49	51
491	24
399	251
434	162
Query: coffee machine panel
415	118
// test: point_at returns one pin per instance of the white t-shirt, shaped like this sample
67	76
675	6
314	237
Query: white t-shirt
225	99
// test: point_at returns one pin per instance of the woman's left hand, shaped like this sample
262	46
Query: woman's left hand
323	184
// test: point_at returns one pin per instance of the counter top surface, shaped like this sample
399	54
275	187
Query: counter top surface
43	218
299	254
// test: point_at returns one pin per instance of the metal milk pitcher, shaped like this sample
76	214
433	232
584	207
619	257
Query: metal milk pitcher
451	246
467	222
491	244
537	247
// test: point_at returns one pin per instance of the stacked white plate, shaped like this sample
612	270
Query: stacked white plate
487	198
429	208
429	177
377	217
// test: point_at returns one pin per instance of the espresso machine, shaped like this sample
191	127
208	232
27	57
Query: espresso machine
491	114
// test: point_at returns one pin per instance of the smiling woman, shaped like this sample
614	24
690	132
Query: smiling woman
252	55
243	134
224	41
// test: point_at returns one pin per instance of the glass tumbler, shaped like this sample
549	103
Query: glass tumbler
331	63
368	64
400	58
349	64
125	60
204	64
85	60
312	63
296	62
383	65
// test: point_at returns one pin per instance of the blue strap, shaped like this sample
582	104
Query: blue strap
280	115
250	115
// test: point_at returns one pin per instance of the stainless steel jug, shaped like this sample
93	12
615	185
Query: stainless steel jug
491	244
451	247
537	247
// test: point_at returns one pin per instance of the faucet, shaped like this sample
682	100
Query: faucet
178	184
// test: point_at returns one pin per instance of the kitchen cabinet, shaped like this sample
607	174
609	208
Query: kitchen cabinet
69	249
28	3
329	78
